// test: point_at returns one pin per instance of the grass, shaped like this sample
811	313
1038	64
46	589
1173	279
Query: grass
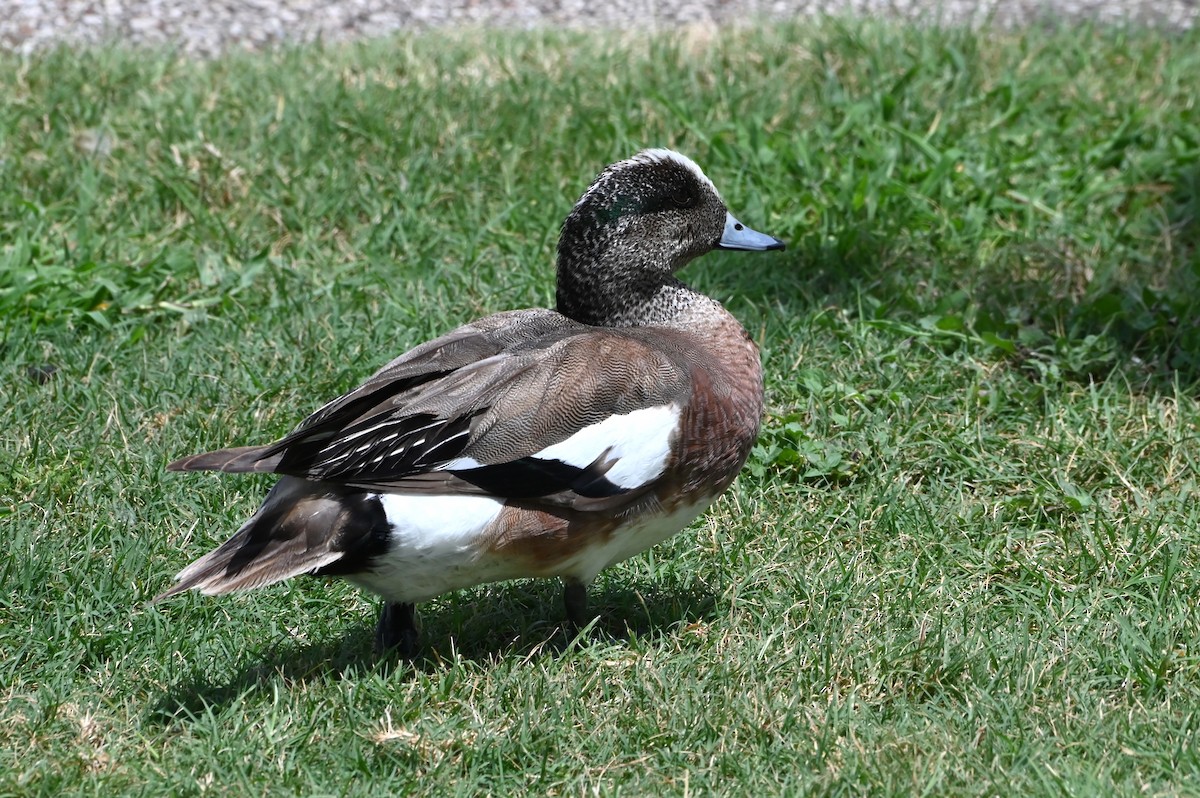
962	560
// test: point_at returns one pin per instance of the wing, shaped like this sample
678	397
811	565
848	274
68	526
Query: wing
534	408
457	349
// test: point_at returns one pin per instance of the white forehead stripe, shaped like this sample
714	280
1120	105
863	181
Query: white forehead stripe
654	155
658	155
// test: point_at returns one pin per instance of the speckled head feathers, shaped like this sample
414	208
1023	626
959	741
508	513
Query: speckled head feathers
641	220
649	167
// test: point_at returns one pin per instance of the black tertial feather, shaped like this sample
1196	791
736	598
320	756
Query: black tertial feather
530	477
387	448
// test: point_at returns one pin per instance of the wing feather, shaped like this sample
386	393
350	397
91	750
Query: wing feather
469	413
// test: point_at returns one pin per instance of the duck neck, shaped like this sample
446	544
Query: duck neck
612	295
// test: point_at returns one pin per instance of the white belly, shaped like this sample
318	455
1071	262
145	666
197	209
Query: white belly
439	544
434	547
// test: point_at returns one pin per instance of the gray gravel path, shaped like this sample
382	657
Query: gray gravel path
206	27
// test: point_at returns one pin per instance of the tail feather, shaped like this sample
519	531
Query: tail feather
240	459
300	529
219	571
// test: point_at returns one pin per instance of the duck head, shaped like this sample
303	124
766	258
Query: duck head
639	222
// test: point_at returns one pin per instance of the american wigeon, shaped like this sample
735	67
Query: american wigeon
531	443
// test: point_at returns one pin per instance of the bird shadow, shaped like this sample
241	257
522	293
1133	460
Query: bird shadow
1137	313
505	622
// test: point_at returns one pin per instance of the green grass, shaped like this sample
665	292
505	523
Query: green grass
962	561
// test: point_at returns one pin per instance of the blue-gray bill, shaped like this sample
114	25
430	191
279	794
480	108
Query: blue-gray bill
739	236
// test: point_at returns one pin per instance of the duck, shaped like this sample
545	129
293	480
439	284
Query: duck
536	443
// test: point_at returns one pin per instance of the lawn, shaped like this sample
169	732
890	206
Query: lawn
962	560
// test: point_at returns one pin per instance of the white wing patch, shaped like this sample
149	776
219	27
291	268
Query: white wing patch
639	442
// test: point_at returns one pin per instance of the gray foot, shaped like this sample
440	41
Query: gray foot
397	630
575	600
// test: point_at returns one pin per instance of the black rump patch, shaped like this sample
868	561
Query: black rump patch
363	534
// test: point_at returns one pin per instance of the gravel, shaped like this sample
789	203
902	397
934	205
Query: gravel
208	27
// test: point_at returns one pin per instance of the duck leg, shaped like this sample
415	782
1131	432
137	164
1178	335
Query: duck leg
575	600
397	630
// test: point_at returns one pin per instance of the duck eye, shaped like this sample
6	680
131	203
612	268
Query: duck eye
681	199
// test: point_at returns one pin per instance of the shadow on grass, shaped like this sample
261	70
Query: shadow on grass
1135	309
507	621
